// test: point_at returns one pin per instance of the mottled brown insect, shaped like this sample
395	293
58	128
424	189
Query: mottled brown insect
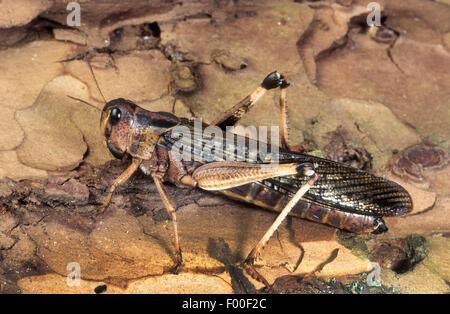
308	187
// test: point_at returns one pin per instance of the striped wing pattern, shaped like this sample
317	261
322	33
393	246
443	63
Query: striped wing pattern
339	186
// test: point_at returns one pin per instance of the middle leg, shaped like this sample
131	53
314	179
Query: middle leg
170	207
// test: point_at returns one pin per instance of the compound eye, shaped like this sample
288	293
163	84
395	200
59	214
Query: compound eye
116	114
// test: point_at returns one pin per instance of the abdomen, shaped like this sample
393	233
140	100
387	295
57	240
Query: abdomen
261	194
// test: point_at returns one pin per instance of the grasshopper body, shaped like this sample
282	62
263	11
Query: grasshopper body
343	197
324	191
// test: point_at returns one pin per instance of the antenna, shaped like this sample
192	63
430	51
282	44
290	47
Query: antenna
85	56
83	101
95	80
